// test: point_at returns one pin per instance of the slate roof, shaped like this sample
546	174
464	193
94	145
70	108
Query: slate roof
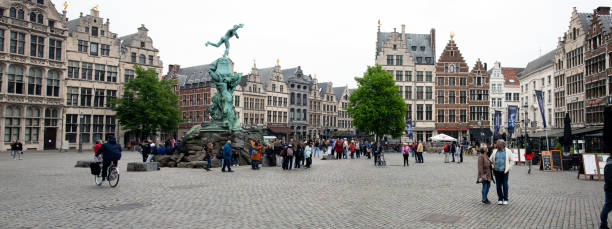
73	24
126	39
290	73
265	75
193	75
338	91
322	88
539	63
605	21
585	20
412	39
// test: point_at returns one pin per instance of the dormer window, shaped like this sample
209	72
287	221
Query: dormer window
142	44
414	48
394	47
422	48
94	31
452	53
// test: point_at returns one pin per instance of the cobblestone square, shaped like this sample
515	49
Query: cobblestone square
46	191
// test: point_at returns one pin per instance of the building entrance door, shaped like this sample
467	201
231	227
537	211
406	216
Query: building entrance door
50	137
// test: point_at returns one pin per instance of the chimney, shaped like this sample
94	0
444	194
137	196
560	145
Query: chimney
432	34
403	32
603	10
395	30
485	66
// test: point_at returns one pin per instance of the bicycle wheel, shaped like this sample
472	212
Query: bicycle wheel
113	177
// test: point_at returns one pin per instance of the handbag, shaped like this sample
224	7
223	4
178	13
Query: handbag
479	180
219	155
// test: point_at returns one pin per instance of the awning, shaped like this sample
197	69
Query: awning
588	130
280	130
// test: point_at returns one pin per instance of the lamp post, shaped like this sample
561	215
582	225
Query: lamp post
80	134
481	134
526	119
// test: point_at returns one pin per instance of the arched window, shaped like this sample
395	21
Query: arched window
15	79
12	123
13	12
20	14
40	18
141	59
33	17
35	81
32	124
53	83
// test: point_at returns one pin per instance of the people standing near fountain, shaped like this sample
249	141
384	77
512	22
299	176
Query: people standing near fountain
208	156
256	154
227	157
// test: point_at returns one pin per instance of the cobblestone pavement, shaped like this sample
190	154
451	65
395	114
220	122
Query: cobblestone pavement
46	191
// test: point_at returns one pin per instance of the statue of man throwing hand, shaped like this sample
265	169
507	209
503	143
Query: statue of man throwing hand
225	39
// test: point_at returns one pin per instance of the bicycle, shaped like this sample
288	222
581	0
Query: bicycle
112	175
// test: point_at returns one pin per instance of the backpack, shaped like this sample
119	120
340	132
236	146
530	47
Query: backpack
290	152
446	148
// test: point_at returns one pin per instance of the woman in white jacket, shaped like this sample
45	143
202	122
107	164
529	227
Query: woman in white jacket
501	160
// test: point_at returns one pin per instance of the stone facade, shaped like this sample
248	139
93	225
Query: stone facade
345	122
505	91
569	71
299	86
315	124
329	109
98	64
538	76
410	58
253	100
32	71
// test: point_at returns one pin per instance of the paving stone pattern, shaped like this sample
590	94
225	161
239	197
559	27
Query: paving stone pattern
46	191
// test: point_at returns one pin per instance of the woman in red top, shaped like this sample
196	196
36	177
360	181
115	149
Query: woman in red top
97	147
528	156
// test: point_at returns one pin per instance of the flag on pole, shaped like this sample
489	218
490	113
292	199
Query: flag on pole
541	103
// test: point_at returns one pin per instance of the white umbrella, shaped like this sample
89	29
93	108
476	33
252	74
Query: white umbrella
442	138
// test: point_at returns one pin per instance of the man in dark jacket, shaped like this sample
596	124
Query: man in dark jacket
146	150
111	153
16	148
227	157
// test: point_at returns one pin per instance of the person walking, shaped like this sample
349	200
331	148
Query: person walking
317	148
502	164
485	175
607	207
406	154
289	158
345	148
453	150
308	154
420	152
227	157
256	154
146	150
529	156
377	151
208	157
299	155
357	148
339	149
16	148
351	148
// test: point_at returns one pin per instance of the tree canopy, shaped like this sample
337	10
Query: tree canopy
376	106
148	104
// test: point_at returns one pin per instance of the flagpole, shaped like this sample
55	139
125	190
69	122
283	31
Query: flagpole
546	131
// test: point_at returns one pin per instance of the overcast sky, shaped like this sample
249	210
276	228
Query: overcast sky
336	39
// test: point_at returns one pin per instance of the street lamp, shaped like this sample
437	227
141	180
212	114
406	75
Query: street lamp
80	134
526	119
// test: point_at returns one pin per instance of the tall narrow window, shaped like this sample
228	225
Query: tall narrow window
35	81
133	57
1	39
111	73
17	42
85	97
129	75
71	127
15	79
99	98
141	59
55	49
72	96
111	95
32	124
150	60
99	73
36	46
12	123
86	71
440	115
93	49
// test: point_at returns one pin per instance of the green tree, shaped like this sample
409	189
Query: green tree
376	106
148	104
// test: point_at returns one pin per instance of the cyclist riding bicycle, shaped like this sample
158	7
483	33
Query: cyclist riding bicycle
111	153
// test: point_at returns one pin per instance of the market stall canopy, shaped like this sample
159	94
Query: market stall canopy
442	138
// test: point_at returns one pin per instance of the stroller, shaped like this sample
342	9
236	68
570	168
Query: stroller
381	160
